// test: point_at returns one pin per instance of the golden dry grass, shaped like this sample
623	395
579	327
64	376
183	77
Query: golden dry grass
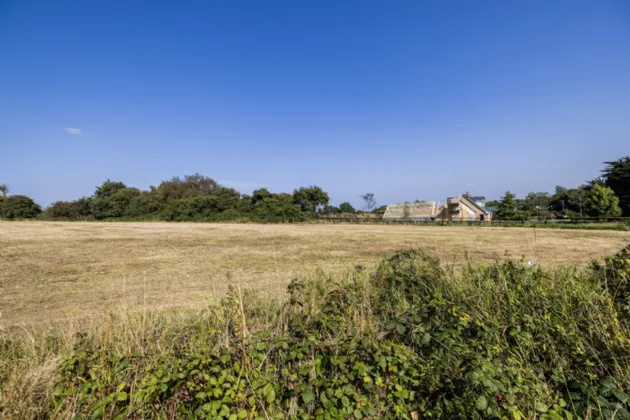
51	271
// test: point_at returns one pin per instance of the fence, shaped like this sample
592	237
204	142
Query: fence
477	222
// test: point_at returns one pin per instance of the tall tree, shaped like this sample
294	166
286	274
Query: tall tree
507	207
569	201
370	202
112	199
310	198
616	175
602	201
4	190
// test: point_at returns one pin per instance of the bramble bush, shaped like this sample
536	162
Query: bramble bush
413	339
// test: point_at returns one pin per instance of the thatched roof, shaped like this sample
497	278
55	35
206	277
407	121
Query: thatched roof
410	211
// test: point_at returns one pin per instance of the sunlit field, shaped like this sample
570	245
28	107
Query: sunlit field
54	271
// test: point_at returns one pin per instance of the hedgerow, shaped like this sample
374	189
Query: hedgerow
413	339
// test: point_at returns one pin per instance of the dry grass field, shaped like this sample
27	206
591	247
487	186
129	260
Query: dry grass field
50	271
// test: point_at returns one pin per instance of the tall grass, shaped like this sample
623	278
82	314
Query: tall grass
412	339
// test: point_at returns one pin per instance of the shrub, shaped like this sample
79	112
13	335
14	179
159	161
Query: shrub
77	209
414	339
113	203
346	208
19	207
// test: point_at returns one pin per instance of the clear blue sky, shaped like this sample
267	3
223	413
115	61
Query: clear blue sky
405	99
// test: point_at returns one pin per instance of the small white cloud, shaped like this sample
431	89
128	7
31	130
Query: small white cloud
75	131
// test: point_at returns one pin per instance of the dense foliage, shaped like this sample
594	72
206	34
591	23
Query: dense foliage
200	198
19	207
414	339
616	175
191	198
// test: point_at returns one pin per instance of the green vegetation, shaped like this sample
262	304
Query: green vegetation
199	198
19	207
412	339
616	175
601	201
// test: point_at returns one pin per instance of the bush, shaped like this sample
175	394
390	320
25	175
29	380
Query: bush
346	208
78	209
614	276
414	339
144	205
19	207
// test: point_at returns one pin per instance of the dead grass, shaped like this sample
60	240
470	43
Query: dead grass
51	271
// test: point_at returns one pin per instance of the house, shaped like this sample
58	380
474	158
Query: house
462	208
465	207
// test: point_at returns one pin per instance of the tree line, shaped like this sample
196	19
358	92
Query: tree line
191	198
605	196
200	198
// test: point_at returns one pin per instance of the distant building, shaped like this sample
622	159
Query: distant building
462	208
466	207
413	211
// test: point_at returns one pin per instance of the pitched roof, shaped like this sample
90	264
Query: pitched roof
472	202
478	198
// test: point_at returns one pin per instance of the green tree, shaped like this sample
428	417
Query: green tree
78	209
346	207
616	175
309	198
226	198
190	186
279	208
602	201
260	195
569	201
108	189
370	202
536	201
19	207
507	208
112	199
145	204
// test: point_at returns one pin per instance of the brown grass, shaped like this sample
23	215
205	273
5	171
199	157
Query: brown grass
51	271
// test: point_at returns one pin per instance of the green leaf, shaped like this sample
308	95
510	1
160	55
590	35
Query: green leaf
269	393
122	396
482	403
308	397
540	407
621	396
